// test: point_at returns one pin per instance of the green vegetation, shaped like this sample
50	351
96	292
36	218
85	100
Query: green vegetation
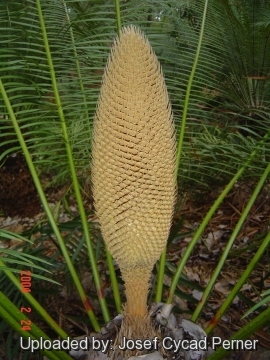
215	57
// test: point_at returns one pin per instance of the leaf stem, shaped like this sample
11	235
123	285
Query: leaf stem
46	205
225	253
116	294
32	301
10	313
209	216
76	186
244	333
118	16
180	143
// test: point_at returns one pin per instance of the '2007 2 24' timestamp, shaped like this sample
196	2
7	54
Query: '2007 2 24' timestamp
26	283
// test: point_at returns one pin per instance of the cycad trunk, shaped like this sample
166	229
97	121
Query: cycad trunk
134	163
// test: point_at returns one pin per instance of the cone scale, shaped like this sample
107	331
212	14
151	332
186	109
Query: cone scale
133	162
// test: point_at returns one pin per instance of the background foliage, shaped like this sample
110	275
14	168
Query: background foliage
229	105
228	113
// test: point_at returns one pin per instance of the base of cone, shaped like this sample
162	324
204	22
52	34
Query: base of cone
122	338
137	286
134	332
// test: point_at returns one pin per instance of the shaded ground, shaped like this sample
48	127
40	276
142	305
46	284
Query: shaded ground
18	195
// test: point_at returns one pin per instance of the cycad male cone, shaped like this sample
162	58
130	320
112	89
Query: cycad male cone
133	162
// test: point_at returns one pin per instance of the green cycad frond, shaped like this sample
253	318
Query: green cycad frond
226	100
79	49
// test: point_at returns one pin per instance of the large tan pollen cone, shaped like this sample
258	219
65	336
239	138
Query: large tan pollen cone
133	163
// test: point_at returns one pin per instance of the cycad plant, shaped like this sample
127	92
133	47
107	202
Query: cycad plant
52	54
134	164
